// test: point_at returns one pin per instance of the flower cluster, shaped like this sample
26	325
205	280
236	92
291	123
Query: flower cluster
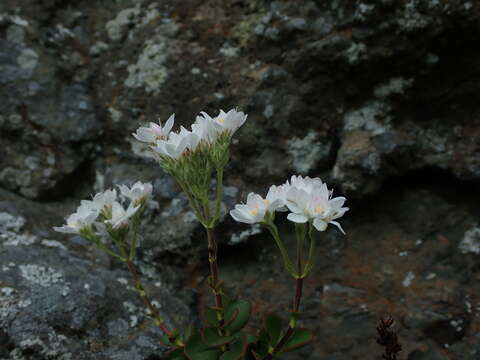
205	130
307	199
106	211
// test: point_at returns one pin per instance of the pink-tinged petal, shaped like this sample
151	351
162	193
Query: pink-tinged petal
319	224
338	225
297	218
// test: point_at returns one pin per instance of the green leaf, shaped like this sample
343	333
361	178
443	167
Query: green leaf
273	326
211	338
299	338
211	317
206	355
237	314
261	347
174	354
195	345
236	351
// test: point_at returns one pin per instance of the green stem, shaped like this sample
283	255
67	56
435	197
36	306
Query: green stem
102	246
311	252
286	259
300	232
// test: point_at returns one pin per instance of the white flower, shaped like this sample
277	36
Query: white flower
138	192
225	121
120	216
177	144
82	219
255	209
155	131
277	195
310	199
205	128
102	200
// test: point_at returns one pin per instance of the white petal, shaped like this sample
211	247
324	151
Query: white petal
338	225
319	224
298	218
169	124
238	215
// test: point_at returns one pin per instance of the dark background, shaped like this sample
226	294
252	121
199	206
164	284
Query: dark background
381	99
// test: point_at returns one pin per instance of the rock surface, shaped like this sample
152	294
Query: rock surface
379	98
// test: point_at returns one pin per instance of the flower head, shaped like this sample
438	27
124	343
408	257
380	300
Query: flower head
154	132
120	216
79	221
138	193
225	121
310	200
177	144
256	208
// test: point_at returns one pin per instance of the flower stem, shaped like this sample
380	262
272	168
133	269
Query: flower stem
297	297
286	259
154	314
215	282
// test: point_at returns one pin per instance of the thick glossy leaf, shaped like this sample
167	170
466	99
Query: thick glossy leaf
206	355
239	311
211	338
300	337
195	345
211	317
236	351
273	326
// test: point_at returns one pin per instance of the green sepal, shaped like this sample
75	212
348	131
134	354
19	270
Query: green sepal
211	338
299	338
210	315
236	351
273	327
237	314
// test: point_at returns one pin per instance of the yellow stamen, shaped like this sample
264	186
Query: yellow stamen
221	120
318	209
254	212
